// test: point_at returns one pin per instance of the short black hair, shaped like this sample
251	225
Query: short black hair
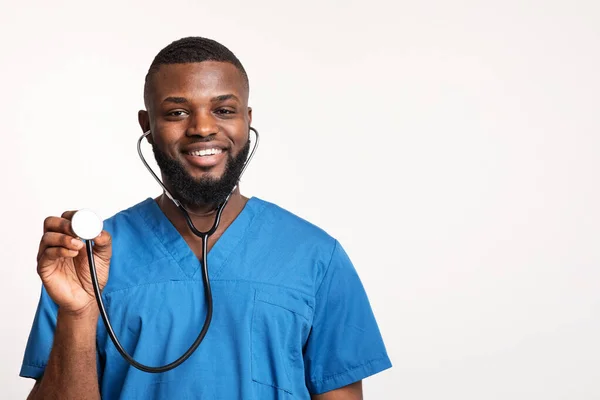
193	49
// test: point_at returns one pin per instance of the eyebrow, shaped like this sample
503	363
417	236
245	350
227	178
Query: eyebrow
176	100
216	99
224	97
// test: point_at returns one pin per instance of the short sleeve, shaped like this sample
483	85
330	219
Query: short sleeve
345	344
40	339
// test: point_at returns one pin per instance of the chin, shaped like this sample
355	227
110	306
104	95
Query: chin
213	174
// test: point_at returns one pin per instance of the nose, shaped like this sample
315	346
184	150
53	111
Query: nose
202	124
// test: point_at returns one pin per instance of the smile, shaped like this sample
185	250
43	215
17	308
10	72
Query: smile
207	152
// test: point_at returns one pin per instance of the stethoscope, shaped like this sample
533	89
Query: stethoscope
87	225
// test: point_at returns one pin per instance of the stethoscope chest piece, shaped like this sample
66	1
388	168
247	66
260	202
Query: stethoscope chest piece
86	224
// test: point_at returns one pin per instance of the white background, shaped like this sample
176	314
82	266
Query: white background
451	146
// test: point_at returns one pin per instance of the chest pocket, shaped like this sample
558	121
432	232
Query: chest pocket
281	322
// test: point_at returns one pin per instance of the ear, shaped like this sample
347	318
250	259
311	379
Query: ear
249	116
144	121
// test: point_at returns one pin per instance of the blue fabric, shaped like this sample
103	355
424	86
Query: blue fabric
291	316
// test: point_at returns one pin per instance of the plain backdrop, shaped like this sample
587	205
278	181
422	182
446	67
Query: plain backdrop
451	146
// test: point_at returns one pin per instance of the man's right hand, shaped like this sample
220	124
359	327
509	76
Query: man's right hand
63	265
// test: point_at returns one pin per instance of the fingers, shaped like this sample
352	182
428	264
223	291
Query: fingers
103	240
68	214
57	233
59	224
54	253
103	246
59	240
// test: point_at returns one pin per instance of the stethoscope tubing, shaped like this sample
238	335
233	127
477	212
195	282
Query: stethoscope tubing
207	289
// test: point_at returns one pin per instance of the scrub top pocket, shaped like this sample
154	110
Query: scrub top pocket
280	326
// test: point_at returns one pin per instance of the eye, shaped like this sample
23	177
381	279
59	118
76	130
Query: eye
176	113
225	111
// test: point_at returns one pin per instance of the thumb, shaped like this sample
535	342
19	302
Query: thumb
103	245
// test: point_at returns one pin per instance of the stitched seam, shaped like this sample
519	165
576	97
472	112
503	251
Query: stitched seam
104	292
348	371
254	308
266	284
40	366
242	236
212	280
162	246
335	245
252	338
285	308
271	385
148	284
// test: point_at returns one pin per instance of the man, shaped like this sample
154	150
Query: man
291	318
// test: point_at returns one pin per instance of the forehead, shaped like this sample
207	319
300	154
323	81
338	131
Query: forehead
197	80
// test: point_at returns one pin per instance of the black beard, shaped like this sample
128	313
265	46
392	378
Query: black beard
204	191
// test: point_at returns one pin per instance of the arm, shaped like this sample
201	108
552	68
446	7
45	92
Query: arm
350	392
71	370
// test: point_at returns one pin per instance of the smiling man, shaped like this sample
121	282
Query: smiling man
291	317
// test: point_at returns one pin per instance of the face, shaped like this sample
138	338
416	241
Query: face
200	119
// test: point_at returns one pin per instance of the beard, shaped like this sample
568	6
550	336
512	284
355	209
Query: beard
206	190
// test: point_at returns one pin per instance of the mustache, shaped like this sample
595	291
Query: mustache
203	140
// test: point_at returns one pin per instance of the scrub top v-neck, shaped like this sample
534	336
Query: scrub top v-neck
175	245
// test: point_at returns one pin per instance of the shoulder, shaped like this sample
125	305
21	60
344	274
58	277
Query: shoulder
286	224
294	244
129	217
292	252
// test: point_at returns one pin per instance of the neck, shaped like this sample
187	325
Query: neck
203	216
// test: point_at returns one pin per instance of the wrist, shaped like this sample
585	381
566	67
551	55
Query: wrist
78	330
89	313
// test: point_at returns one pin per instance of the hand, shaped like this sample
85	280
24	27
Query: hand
63	265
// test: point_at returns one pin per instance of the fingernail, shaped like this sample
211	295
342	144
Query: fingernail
77	243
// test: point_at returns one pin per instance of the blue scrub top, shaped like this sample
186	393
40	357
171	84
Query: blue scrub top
290	318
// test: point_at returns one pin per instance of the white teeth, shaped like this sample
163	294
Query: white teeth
207	152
